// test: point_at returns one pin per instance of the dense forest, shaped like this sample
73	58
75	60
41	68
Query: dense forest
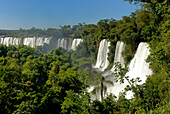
32	81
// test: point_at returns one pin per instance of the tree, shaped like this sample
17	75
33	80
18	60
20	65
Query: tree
53	74
76	103
66	30
101	85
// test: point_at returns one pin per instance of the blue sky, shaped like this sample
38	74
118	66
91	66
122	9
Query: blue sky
15	14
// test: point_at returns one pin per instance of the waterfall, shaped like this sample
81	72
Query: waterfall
39	41
16	41
32	42
75	43
7	41
10	41
118	54
102	56
137	68
64	43
47	40
1	40
118	58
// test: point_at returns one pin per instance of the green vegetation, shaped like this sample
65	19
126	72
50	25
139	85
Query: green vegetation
34	82
100	86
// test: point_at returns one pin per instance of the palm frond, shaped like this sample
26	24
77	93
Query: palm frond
108	82
105	89
95	89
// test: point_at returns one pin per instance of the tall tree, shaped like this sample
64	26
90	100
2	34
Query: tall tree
101	85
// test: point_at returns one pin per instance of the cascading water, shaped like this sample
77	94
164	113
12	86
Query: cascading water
10	41
137	68
64	43
68	44
102	56
47	40
1	40
16	41
39	42
118	54
101	64
32	42
75	43
29	42
118	57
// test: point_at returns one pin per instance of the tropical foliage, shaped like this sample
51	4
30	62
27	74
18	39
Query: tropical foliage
34	82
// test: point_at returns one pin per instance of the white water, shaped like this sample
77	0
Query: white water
118	54
1	40
137	68
102	61
64	43
75	43
32	41
10	41
29	42
16	41
68	44
118	58
47	40
40	41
